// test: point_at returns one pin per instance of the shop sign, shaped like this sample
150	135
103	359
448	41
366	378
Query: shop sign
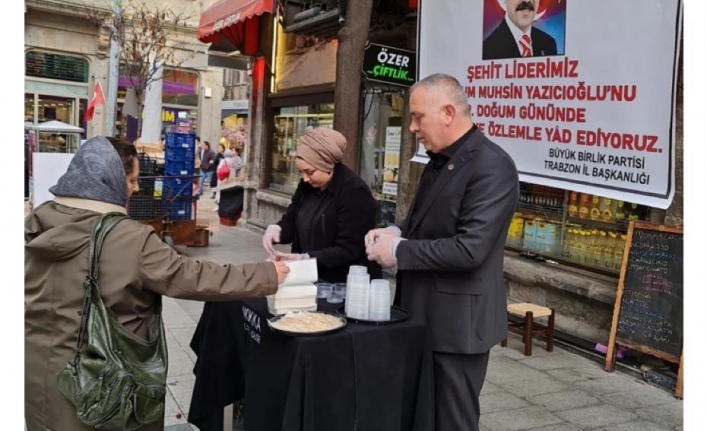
589	107
389	65
170	116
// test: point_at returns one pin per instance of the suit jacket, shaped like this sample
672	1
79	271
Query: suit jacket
450	269
501	43
345	213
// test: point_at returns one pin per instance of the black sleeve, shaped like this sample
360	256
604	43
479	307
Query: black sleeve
289	218
356	216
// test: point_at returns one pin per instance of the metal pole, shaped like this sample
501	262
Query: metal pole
111	102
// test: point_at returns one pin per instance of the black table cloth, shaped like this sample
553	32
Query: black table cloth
364	377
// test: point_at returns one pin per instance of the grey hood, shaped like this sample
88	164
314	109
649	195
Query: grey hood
95	173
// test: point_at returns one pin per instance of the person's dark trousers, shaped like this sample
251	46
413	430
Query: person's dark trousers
458	380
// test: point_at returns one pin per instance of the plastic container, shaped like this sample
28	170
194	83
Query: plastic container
338	293
353	269
379	304
323	290
358	296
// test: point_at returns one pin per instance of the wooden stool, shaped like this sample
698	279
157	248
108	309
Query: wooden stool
528	328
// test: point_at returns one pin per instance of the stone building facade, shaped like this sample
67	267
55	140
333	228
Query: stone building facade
66	54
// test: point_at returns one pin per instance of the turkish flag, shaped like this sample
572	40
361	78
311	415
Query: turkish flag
97	99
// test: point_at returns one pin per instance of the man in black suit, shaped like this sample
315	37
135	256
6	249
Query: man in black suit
449	250
516	37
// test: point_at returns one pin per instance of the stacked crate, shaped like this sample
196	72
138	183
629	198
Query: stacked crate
178	175
145	204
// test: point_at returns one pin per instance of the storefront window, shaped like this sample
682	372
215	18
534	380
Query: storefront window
55	66
380	153
289	124
55	108
575	228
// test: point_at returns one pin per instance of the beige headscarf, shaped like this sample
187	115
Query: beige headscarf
322	148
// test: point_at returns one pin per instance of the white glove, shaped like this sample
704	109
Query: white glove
375	234
384	251
270	237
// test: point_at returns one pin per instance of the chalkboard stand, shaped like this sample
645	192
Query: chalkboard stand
614	340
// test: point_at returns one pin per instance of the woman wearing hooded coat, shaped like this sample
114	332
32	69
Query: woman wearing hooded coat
330	211
136	267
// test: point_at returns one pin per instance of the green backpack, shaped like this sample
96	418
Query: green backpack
118	382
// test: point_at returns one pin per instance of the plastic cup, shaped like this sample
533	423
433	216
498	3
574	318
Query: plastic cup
338	293
357	269
379	305
323	290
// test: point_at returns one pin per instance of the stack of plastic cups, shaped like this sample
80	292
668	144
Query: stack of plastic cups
379	308
353	269
358	296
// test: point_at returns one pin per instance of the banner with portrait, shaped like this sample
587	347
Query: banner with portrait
581	93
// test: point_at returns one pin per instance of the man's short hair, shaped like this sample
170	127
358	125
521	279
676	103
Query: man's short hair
208	144
448	85
126	151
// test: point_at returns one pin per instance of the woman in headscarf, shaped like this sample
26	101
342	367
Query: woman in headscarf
229	161
331	211
136	267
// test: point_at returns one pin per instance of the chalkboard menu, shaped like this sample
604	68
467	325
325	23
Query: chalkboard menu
651	310
649	303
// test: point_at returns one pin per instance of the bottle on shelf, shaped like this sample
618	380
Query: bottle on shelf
574	204
584	205
620	212
589	244
608	250
618	251
599	248
566	248
529	235
607	207
635	212
595	208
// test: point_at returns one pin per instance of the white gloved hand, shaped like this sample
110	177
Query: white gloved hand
375	234
384	251
271	237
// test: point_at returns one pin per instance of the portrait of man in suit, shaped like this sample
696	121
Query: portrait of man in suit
516	35
449	249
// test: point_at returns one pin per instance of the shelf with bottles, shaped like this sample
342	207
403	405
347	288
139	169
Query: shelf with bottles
601	249
541	202
585	208
579	229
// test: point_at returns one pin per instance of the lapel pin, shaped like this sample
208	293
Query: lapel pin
451	167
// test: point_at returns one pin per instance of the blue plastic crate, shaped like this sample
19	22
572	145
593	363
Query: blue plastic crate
179	155
172	167
177	186
179	208
180	140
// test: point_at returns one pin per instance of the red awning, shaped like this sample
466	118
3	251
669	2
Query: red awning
232	19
